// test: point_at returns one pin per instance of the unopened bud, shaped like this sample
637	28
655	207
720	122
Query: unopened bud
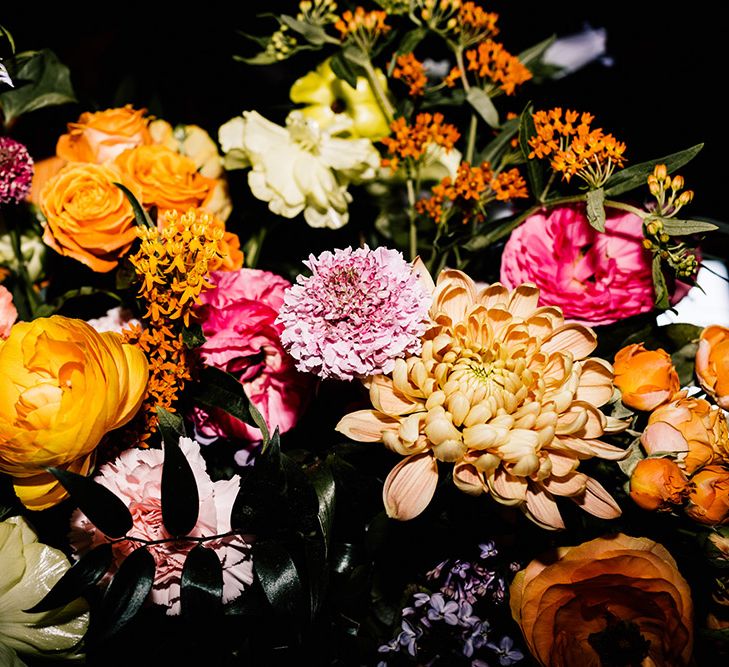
647	244
452	23
660	171
653	186
677	183
664	238
685	197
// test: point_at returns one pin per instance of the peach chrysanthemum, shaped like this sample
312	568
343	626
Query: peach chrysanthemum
503	389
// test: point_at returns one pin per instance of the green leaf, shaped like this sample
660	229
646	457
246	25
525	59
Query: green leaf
201	583
75	581
171	425
193	336
47	309
680	334
126	593
180	497
637	175
141	217
40	79
343	69
262	58
104	509
676	227
499	143
411	39
534	53
218	389
659	284
483	105
5	34
314	34
322	480
356	55
526	131
275	570
261	41
633	457
596	209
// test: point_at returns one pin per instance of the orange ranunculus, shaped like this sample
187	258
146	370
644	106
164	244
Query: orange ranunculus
712	363
101	136
657	484
192	141
87	216
43	171
166	179
646	378
62	387
618	600
709	496
690	427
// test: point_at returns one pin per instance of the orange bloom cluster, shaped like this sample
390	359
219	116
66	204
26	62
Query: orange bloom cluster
362	27
172	265
465	23
472	188
410	142
453	76
412	73
492	62
576	149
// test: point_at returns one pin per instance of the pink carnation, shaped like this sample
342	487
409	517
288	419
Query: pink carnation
8	312
238	319
595	278
16	171
136	477
358	312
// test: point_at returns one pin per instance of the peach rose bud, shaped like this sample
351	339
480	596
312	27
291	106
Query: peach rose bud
712	363
656	484
709	497
646	378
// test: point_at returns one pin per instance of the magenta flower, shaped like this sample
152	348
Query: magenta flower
595	278
16	171
358	312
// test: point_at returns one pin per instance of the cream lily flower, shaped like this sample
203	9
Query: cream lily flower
29	570
503	389
298	168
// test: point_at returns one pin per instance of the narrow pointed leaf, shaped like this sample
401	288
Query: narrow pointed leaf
411	39
126	593
659	284
141	217
75	581
483	105
676	227
314	34
526	131
104	509
500	143
171	425
343	69
596	209
201	583
322	480
275	570
534	54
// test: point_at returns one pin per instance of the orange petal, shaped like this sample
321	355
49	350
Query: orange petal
410	486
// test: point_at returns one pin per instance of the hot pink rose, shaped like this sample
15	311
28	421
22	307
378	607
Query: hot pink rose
136	477
238	319
595	278
8	313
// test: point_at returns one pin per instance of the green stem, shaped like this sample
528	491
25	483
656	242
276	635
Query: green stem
543	196
471	146
380	94
412	217
624	207
30	298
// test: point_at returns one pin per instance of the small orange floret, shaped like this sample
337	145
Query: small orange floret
410	142
492	62
362	26
412	73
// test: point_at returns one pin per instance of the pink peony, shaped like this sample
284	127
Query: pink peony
357	313
238	318
8	313
16	171
595	278
136	477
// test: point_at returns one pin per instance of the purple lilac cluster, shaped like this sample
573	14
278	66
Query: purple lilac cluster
16	171
444	626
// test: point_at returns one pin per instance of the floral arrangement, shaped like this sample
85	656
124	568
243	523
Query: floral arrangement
448	429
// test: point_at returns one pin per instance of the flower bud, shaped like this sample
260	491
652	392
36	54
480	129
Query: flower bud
660	171
656	484
709	496
677	183
646	378
712	363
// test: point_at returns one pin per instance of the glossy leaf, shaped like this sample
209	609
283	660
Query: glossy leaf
104	509
526	131
84	574
126	593
324	486
637	175
483	105
171	425
141	217
275	570
596	209
201	583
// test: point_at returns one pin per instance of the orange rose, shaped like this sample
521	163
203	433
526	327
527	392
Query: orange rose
101	136
657	484
43	171
192	141
712	363
709	496
618	600
166	179
690	426
87	216
646	378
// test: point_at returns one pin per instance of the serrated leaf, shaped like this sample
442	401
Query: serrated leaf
102	507
483	105
343	69
193	336
596	209
275	570
40	79
180	497
201	583
126	593
660	289
637	175
676	227
534	53
411	39
141	217
526	131
75	581
218	389
314	34
499	143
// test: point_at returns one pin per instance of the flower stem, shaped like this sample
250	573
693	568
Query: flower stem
471	146
411	217
543	196
609	203
29	300
379	92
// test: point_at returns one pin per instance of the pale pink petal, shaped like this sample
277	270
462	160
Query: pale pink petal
493	295
468	479
524	300
597	501
562	463
366	425
508	489
541	508
410	486
424	277
596	382
571	485
662	437
577	339
387	399
586	449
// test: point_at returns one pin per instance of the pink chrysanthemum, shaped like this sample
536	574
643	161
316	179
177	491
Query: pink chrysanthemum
358	312
16	171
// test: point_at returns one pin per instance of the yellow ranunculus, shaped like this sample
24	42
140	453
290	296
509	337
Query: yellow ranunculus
333	102
62	387
29	570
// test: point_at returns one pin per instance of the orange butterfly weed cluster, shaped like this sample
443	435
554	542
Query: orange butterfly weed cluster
462	22
411	142
575	148
362	27
492	62
412	73
470	191
172	265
